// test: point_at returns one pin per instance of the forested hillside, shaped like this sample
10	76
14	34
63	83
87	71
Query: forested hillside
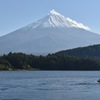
89	51
20	61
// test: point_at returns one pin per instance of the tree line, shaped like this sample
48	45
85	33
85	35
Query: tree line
21	61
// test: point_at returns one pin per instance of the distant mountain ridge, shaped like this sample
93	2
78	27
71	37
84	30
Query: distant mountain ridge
48	35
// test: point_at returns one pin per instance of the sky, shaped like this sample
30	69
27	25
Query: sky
15	14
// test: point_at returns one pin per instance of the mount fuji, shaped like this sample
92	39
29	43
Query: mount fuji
48	35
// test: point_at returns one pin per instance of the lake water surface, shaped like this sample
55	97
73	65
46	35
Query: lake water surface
49	85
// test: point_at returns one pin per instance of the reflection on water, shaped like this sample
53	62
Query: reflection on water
49	85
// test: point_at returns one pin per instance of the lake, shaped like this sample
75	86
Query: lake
49	85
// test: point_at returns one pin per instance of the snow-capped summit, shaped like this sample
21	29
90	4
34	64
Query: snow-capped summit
54	12
50	34
54	19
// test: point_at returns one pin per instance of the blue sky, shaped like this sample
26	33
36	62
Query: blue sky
15	14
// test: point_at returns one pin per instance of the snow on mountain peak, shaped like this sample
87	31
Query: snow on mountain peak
54	12
77	25
56	20
50	34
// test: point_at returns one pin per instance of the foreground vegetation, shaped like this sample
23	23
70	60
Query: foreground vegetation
20	61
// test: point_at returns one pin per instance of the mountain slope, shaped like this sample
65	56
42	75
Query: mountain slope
48	35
